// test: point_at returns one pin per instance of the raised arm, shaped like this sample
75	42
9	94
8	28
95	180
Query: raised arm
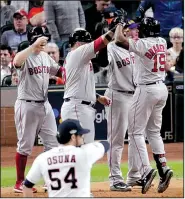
21	57
103	40
96	150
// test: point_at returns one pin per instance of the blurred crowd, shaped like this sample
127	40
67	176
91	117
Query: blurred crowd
63	17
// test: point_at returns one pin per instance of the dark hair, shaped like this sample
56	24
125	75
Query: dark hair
63	139
6	47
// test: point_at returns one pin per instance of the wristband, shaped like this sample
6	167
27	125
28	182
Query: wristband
108	37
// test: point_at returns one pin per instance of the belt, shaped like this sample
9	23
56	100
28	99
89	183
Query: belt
82	102
153	83
35	101
127	92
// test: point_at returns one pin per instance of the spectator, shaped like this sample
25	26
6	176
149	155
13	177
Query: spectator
63	17
97	18
34	9
53	51
94	15
169	13
14	37
176	38
7	12
6	58
180	62
15	79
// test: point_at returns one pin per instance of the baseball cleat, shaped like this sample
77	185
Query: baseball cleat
165	181
147	181
121	186
18	188
137	183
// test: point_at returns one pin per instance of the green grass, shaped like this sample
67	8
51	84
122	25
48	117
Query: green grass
99	172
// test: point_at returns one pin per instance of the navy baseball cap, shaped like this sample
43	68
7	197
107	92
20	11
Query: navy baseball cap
71	126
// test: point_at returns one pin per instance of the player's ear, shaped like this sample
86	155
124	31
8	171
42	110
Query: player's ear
73	137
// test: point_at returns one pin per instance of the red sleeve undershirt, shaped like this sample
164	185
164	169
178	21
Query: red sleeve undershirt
98	44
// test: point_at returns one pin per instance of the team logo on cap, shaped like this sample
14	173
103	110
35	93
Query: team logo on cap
73	131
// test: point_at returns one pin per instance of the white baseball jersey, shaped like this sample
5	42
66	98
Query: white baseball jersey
34	76
80	83
66	169
152	53
121	68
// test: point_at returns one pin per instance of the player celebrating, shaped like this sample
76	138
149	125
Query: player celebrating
33	112
66	168
120	90
148	102
79	95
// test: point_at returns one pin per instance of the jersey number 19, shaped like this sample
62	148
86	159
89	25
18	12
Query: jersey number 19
159	62
69	178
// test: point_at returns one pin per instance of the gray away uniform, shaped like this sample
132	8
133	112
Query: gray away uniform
33	112
145	115
120	91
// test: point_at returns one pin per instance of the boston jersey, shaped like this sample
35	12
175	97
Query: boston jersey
80	83
121	68
152	53
66	169
34	76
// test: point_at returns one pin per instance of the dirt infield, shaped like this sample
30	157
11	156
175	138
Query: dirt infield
101	189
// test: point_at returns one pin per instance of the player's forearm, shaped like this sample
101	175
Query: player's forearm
107	37
103	40
21	57
120	39
27	192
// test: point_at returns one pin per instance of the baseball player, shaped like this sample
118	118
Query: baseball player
147	105
120	90
80	95
66	169
33	112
